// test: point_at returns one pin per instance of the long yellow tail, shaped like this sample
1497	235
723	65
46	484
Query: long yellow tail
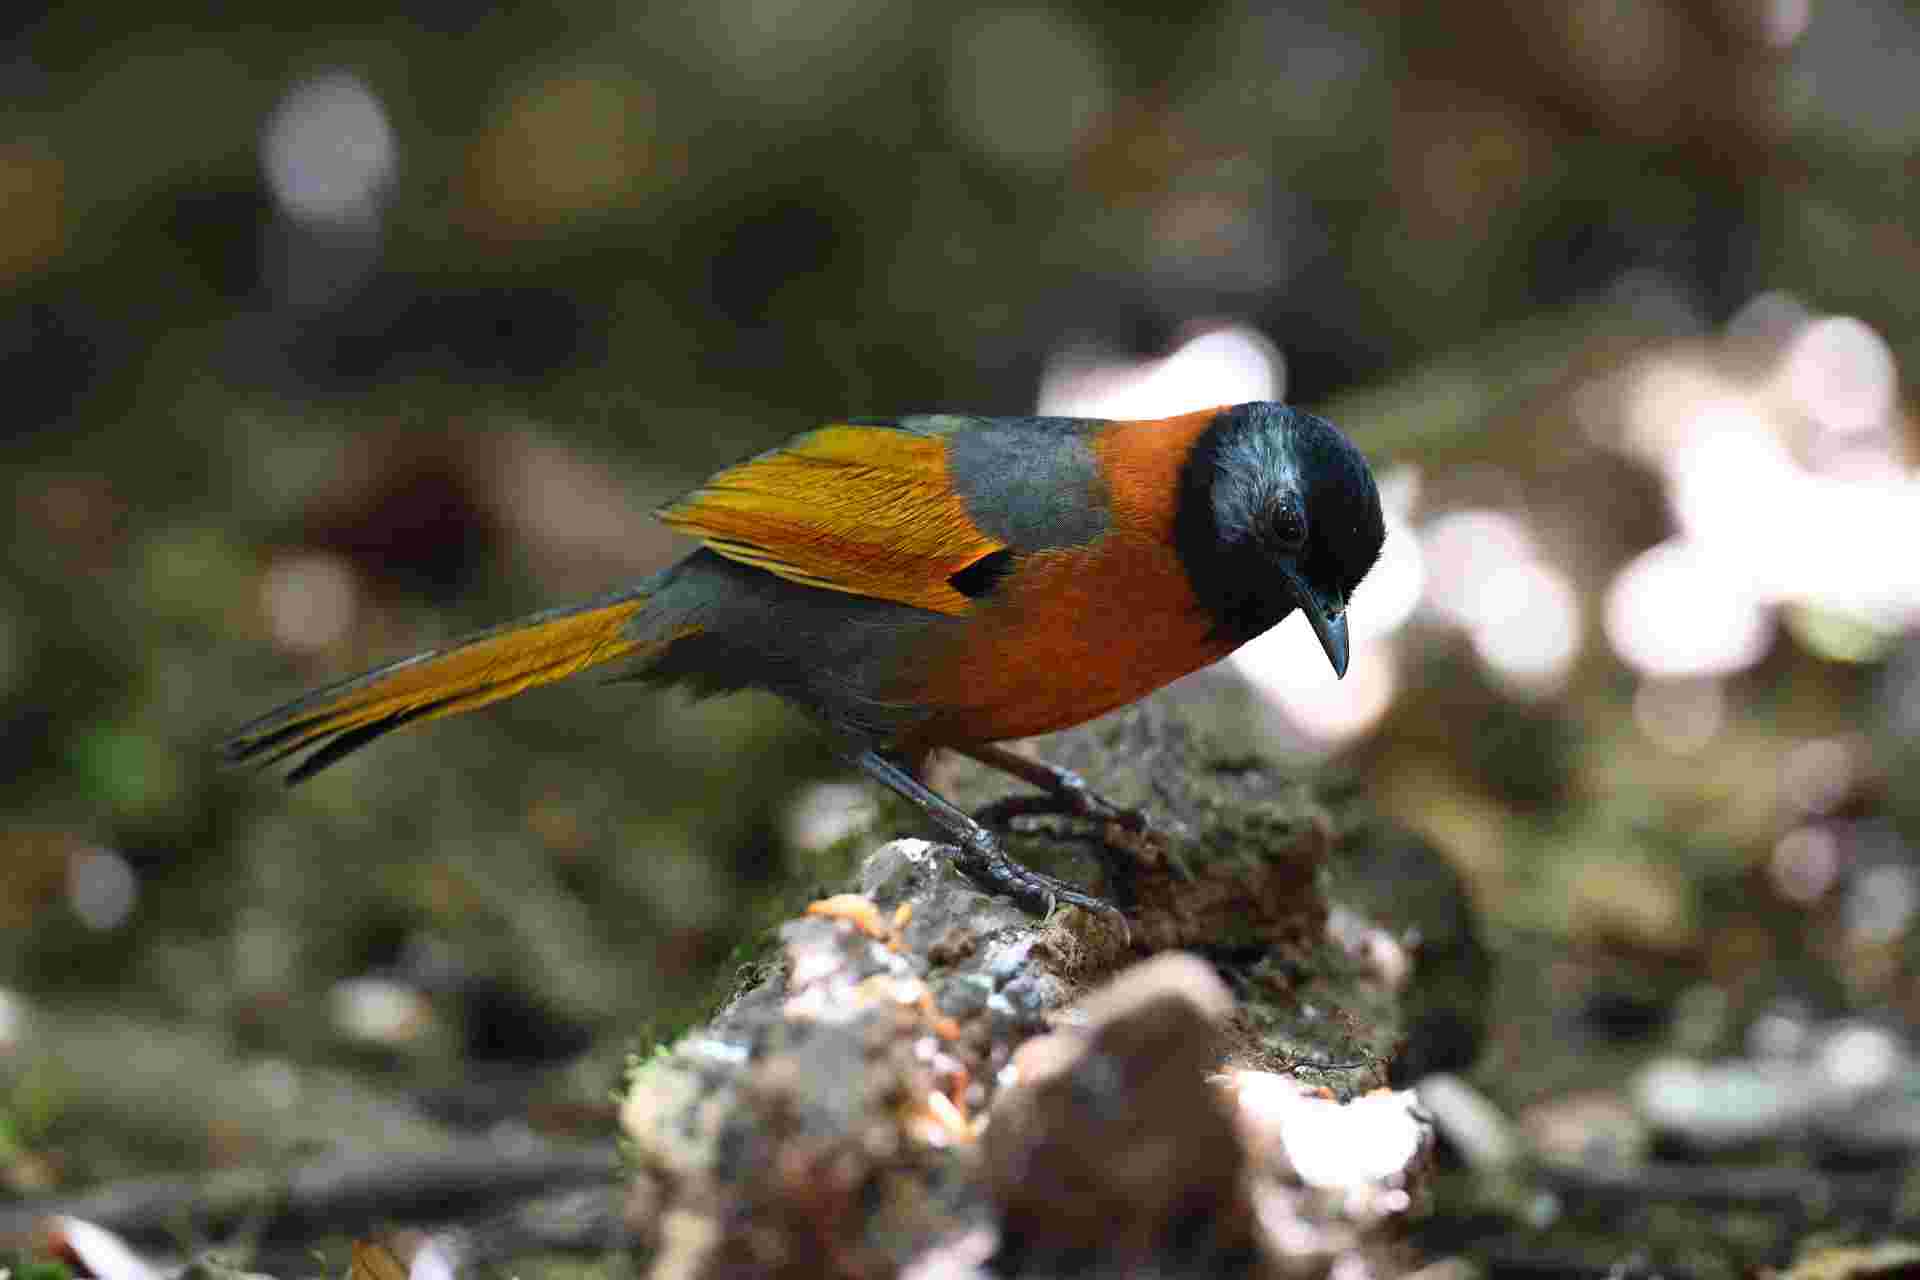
483	668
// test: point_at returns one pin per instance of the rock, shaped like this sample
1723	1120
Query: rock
1471	1123
1722	1104
1120	1151
1851	1084
932	1081
1321	1142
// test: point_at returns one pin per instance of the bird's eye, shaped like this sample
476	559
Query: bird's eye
1287	527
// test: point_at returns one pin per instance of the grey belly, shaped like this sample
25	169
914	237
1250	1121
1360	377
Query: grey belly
836	654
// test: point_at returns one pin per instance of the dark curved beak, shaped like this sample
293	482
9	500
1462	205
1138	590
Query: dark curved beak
1332	630
1329	621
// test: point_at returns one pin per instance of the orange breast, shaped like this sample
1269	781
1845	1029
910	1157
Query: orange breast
1075	633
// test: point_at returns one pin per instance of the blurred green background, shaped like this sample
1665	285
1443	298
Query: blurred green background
329	334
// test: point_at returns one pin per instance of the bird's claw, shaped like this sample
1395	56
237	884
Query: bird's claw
984	863
1070	796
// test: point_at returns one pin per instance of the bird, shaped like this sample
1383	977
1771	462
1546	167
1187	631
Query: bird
937	581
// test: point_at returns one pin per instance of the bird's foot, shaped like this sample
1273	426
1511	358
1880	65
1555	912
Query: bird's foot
1117	845
982	861
977	854
1073	799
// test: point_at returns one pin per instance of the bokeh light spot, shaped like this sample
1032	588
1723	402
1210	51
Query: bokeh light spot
828	812
101	888
1464	551
1287	667
1664	399
379	1011
1680	716
1779	1033
1881	903
1805	864
1860	1059
1230	365
1840	373
1530	629
328	151
1730	478
1766	325
1837	636
1830	535
13	1020
309	601
1677	610
1817	776
1388	596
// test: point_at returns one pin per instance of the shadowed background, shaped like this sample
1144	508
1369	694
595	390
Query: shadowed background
328	339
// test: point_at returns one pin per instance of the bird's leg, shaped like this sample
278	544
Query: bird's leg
979	856
1064	791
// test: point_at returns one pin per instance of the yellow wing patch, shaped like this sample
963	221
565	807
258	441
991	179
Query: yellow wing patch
865	510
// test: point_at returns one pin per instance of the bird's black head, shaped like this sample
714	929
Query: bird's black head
1278	511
